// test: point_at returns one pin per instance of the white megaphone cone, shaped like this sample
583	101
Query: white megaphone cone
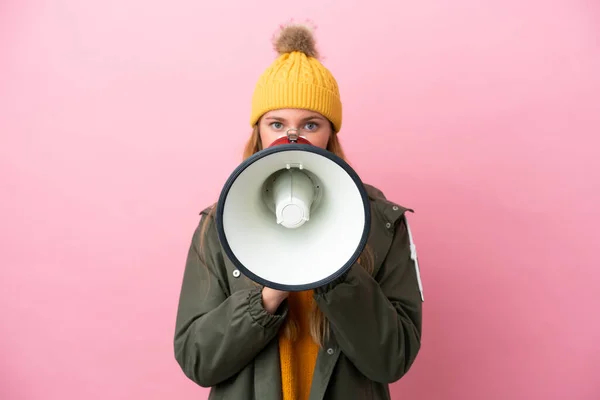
293	216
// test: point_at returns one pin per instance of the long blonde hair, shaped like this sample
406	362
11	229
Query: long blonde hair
319	325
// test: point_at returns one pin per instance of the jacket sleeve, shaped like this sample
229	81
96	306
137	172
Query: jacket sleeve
217	334
377	321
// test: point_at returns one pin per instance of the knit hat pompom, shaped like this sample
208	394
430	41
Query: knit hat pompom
297	78
295	37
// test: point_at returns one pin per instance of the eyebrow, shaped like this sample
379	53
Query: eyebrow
275	118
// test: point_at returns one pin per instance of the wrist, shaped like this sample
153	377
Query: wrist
272	299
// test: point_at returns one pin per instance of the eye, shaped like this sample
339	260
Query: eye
276	125
311	126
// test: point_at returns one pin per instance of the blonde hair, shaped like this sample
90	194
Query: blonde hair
319	325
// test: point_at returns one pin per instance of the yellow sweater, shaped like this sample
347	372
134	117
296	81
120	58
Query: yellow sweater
298	358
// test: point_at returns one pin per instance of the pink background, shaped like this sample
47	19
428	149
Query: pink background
120	120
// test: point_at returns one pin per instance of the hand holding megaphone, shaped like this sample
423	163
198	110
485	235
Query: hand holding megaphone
272	298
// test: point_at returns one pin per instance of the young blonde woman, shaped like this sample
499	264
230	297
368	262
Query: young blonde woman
347	340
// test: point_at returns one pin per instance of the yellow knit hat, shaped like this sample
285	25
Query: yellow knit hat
297	79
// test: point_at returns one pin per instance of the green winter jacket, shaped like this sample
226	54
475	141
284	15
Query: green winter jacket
226	340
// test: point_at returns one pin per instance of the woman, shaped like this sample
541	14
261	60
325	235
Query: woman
346	340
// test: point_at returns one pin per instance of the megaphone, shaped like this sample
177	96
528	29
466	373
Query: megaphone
293	216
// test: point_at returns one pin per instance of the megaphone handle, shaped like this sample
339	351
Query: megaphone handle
292	134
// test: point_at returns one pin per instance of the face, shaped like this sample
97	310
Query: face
311	125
